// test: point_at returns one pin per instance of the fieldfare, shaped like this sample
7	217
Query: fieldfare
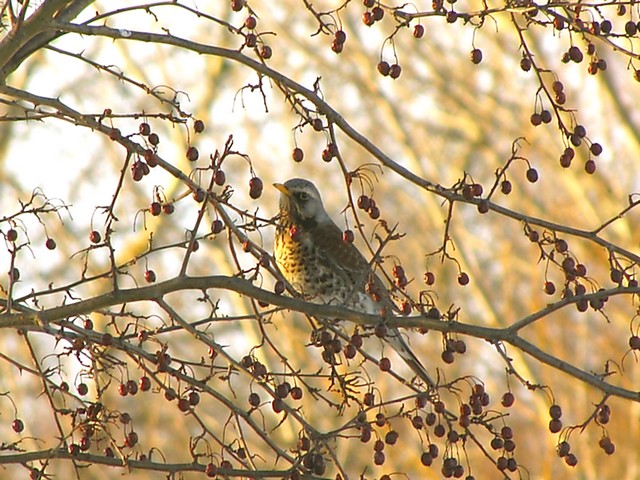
312	256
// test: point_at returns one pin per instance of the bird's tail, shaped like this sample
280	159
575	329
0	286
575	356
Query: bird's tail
397	342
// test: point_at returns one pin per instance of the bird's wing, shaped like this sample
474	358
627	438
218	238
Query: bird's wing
347	260
344	257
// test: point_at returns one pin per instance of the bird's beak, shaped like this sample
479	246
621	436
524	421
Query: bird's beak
283	189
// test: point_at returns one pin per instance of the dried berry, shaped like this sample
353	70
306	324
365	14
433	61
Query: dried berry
476	56
255	187
297	155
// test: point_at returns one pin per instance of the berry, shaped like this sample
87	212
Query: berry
367	19
418	31
198	126
555	426
532	175
217	226
296	393
383	68
192	154
426	459
50	244
219	177
575	54
590	166
12	235
255	187
251	40
476	56
557	86
384	364
348	236
94	237
266	52
364	202
395	70
155	209
211	470
17	425
508	399
463	278
183	405
131	440
250	22
144	128
144	384
254	399
571	460
297	155
83	389
199	195
132	387
295	233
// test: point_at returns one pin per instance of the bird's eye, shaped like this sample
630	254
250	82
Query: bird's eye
304	196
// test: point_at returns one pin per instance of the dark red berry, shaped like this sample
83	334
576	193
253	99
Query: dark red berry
348	236
251	40
217	226
237	5
17	425
590	166
198	126
255	187
476	56
508	399
144	128
297	154
155	209
144	384
192	154
383	68
250	22
131	440
378	13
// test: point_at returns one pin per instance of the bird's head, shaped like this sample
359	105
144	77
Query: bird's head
300	199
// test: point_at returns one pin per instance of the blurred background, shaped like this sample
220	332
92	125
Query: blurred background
443	118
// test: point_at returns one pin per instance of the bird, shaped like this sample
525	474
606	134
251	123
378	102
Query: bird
312	256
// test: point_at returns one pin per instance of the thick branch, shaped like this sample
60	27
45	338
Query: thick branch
244	287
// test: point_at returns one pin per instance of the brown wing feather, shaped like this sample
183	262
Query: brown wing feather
347	260
344	257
